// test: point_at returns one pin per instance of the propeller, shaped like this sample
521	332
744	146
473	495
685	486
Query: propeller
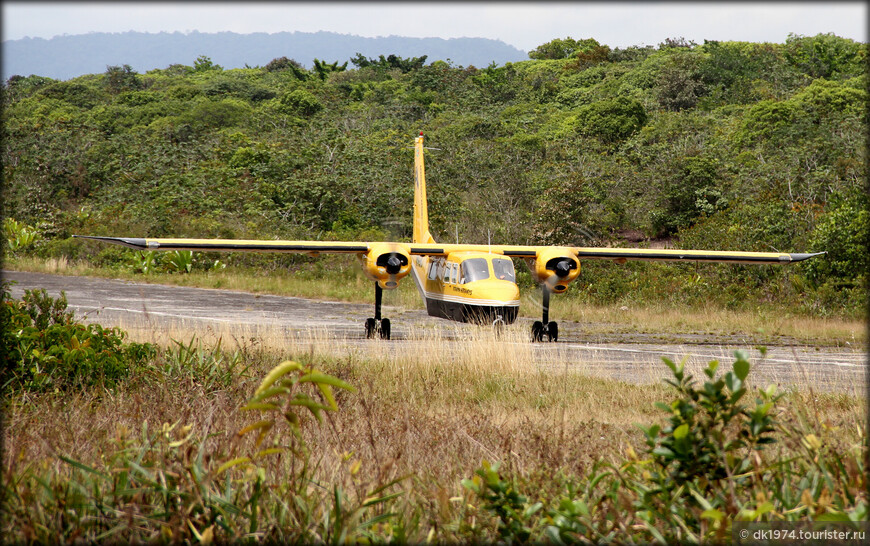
564	267
393	263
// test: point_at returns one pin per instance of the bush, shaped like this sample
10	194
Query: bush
300	102
611	120
844	233
700	474
46	349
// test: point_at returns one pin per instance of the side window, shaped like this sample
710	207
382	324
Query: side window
433	270
452	273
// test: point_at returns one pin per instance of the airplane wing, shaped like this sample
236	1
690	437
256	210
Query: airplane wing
619	255
309	247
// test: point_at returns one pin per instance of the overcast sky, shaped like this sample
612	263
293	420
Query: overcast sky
524	25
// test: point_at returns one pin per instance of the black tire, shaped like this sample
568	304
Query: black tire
553	331
371	328
385	329
537	331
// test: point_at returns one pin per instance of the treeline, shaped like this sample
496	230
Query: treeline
730	145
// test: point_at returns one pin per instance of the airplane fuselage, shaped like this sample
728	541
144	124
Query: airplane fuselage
468	286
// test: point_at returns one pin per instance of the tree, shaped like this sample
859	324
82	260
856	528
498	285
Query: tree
300	102
589	54
844	233
611	120
679	82
695	191
324	69
121	78
204	64
826	55
280	64
555	49
405	65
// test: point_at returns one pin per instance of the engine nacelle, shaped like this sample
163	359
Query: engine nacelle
556	267
386	263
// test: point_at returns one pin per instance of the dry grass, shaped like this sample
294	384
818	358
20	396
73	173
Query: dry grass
443	405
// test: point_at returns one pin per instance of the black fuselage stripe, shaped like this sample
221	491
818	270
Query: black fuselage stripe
286	248
520	253
694	257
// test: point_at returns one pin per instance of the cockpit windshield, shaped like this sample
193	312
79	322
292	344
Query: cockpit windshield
475	269
504	269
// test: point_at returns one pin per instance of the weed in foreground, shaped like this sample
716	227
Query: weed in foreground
699	474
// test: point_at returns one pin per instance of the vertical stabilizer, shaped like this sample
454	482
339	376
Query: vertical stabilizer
421	212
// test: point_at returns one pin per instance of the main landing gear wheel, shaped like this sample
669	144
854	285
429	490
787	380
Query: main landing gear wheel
541	331
378	326
544	329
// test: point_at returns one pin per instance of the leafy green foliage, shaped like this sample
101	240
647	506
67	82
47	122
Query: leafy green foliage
565	48
825	55
693	192
502	498
708	427
203	63
282	63
611	120
391	61
46	349
844	233
301	102
121	78
322	69
701	473
18	236
679	82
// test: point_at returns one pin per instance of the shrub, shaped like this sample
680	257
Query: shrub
611	120
700	474
163	485
18	236
844	233
300	102
47	349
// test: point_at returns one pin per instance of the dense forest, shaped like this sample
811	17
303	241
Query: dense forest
725	145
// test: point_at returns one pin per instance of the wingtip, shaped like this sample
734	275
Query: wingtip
130	242
807	256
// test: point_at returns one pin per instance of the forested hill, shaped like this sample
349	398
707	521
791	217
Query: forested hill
64	57
728	145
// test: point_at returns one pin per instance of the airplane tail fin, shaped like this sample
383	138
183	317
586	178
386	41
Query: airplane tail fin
421	212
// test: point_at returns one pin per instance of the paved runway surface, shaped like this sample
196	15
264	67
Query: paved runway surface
630	357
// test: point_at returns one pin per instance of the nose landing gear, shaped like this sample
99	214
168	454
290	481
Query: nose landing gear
377	326
498	326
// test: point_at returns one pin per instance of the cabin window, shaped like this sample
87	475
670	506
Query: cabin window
447	272
504	269
475	269
433	270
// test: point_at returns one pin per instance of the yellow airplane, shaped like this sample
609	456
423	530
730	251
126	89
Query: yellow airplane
460	282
